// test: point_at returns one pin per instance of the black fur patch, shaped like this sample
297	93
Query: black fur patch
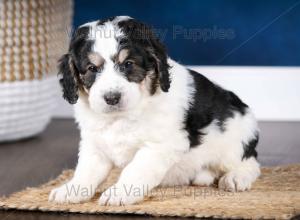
142	63
72	65
68	80
210	102
249	148
140	38
80	47
88	79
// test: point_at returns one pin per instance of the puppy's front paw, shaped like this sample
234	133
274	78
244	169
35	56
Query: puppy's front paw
71	193
121	194
234	181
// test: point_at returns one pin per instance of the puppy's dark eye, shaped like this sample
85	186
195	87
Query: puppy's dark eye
93	69
128	64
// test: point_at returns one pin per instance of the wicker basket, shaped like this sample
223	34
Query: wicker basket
33	34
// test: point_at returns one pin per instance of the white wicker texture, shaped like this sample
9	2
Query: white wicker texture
33	35
26	107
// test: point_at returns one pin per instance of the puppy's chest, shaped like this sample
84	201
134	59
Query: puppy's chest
120	140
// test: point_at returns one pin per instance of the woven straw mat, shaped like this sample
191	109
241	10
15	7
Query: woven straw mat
275	195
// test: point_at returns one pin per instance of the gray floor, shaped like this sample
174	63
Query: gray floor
36	160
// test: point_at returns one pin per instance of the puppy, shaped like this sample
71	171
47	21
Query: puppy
139	110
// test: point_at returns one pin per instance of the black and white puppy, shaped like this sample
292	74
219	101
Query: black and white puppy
140	110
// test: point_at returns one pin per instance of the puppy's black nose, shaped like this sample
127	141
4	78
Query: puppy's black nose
112	98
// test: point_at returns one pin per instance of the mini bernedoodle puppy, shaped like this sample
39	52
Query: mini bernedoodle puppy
138	109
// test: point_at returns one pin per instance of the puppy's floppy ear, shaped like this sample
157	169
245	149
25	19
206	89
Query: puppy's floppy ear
69	83
158	52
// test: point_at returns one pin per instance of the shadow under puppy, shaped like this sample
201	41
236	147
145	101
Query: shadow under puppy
140	110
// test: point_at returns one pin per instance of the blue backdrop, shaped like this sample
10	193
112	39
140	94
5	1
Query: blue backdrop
213	32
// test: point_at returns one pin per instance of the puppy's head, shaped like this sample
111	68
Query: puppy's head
113	65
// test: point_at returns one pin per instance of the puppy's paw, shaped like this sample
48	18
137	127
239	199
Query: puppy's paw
235	181
204	178
71	193
121	194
